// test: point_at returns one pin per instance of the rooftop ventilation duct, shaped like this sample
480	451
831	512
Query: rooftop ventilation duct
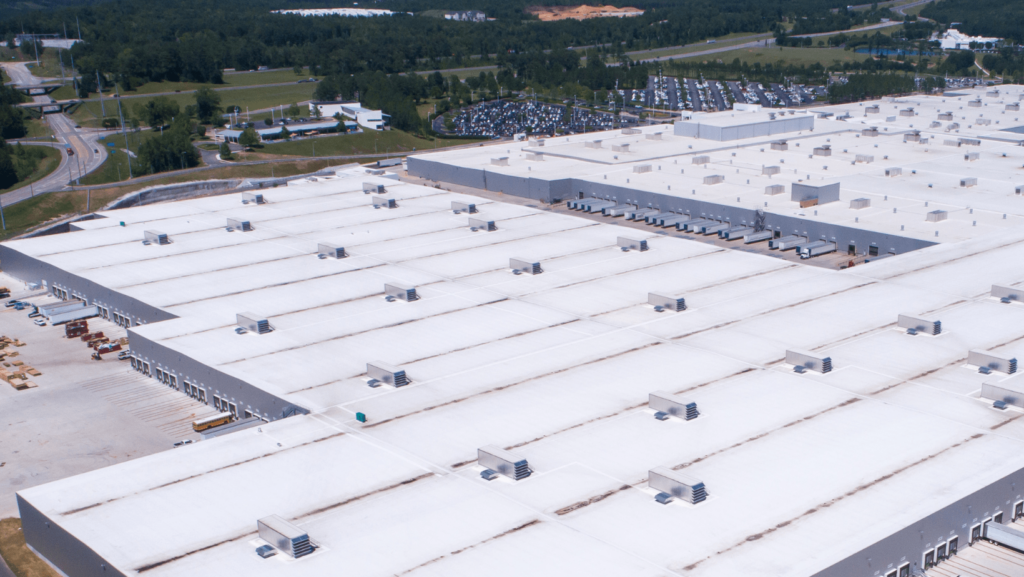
371	188
676	484
988	362
237	224
714	179
770	170
480	224
623	147
631	244
253	323
401	292
936	216
968	182
704	159
631	131
780	145
859	203
773	189
1007	294
252	198
330	250
893	171
809	361
386	374
383	202
669	404
919	325
284	536
503	462
969	141
466	207
523	265
667	302
155	236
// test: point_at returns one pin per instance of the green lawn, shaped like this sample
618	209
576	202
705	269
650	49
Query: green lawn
115	167
729	40
231	79
46	166
370	142
36	128
66	92
774	54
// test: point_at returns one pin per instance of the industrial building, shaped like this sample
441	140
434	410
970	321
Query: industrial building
295	128
365	117
953	39
454	385
466	16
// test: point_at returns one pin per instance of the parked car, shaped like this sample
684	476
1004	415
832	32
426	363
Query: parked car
184	442
39	322
108	347
10	303
124	355
34	314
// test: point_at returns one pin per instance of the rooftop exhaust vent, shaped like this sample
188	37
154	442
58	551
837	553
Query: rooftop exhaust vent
459	207
155	236
284	536
252	198
780	145
253	323
809	361
1007	294
676	484
400	292
631	244
987	360
664	402
237	224
387	374
503	462
919	325
480	224
859	203
523	265
330	250
383	202
667	302
704	159
371	188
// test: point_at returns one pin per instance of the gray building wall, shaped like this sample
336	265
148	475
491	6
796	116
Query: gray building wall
825	193
781	125
59	547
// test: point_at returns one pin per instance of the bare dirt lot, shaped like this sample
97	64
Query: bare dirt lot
551	13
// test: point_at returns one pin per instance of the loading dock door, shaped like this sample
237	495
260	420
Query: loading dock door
929	559
940	553
952	546
851	250
1018	510
905	570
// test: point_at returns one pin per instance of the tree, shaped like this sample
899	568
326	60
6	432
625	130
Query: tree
248	138
8	176
285	133
207	105
225	151
158	111
268	122
201	131
172	150
294	110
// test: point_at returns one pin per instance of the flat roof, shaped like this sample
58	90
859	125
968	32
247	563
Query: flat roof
802	470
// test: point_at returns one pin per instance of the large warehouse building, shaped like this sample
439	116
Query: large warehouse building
460	386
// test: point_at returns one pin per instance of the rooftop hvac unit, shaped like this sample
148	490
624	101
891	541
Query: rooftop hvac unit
859	203
155	236
623	147
972	156
642	168
773	189
284	536
667	302
808	360
969	141
934	124
985	359
401	292
780	145
481	224
1008	392
704	159
631	244
714	179
758	237
968	182
947	116
1015	107
974	104
865	158
503	462
664	402
953	126
523	265
873	131
907	112
252	198
330	250
383	202
631	131
950	142
893	171
535	156
386	374
936	216
466	207
912	137
993	93
500	161
253	323
592	144
919	325
1005	293
654	136
983	122
534	141
786	242
236	224
371	188
824	150
873	109
770	170
679	485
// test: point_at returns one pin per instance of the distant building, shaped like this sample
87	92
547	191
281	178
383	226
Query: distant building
953	39
365	117
348	12
466	16
298	129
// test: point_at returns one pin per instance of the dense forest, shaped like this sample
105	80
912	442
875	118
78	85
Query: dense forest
997	18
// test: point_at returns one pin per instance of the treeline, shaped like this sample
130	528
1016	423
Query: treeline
12	122
780	71
842	19
981	17
18	162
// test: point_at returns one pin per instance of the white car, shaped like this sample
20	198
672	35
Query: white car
39	322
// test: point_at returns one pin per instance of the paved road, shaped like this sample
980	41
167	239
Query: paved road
173	92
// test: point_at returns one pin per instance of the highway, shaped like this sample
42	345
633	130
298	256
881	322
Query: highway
88	154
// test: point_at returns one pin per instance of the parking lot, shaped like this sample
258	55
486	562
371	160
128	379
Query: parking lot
83	414
507	118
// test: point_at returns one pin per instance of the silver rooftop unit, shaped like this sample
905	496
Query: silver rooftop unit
621	147
523	265
156	237
919	325
383	202
972	156
714	179
873	131
974	104
907	112
824	193
534	156
773	189
252	198
481	224
873	109
371	188
284	536
1006	294
238	224
780	145
679	485
703	159
859	203
642	168
1015	107
1008	391
500	161
915	136
467	207
809	360
666	301
770	170
253	323
665	402
946	116
592	144
631	131
331	250
893	171
968	182
936	216
992	362
401	292
865	158
503	462
631	244
823	150
387	374
655	136
969	141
